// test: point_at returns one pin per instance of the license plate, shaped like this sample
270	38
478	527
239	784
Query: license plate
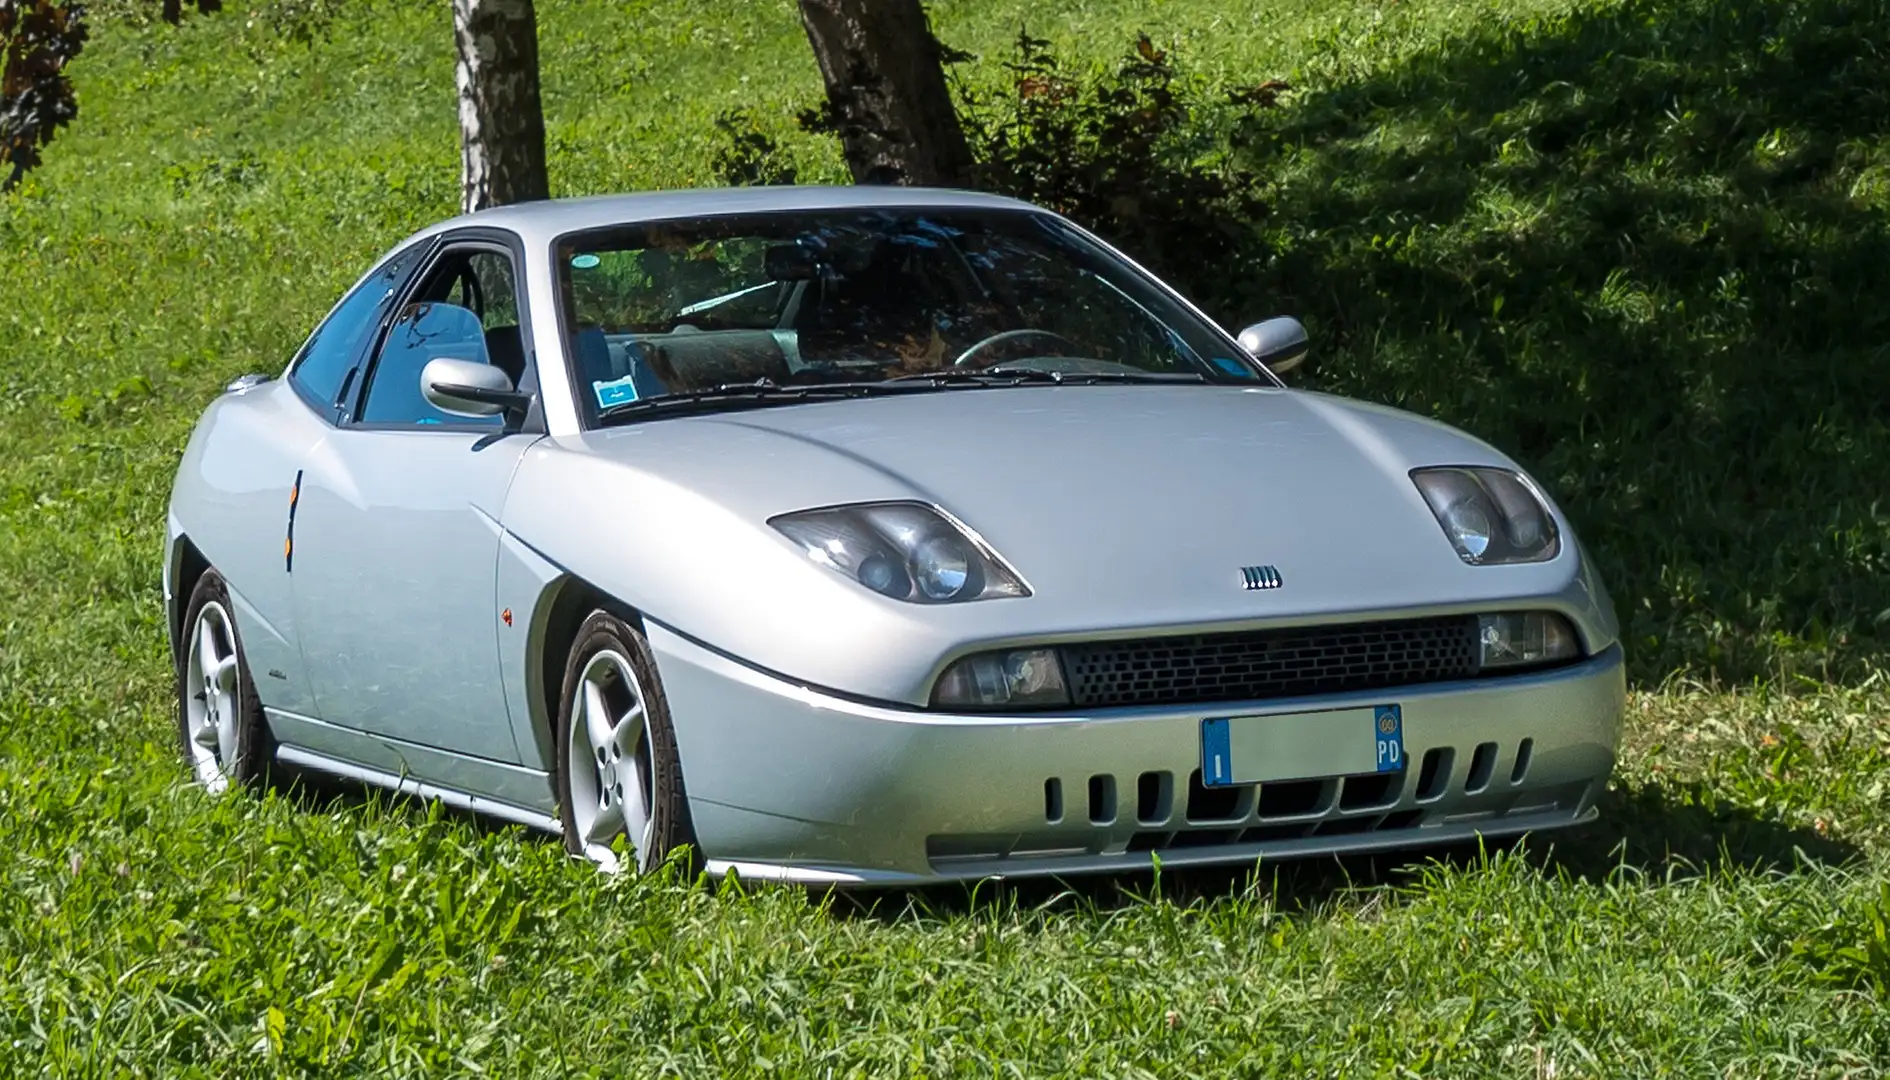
1301	746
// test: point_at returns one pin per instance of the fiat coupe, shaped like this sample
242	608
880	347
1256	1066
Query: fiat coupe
868	536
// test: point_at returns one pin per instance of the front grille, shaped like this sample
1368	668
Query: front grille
1259	664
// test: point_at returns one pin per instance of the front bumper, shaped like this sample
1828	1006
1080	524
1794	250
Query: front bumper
791	784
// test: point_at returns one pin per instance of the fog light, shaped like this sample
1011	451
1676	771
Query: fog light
1519	639
1013	677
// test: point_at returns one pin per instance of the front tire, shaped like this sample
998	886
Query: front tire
617	770
220	724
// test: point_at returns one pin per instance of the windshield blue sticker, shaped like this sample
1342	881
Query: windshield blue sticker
615	392
1233	367
584	262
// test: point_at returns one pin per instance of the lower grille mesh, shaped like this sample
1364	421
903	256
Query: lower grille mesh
1272	663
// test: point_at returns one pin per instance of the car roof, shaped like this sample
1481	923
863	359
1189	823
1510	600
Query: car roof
541	221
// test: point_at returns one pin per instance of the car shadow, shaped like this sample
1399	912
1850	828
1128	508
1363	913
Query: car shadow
1654	833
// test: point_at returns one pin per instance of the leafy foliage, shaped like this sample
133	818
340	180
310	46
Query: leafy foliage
1119	150
1122	152
37	40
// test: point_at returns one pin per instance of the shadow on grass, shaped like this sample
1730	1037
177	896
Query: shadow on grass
1644	247
1657	833
1669	830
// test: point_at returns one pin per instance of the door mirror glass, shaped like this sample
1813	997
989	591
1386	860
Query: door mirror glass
1280	343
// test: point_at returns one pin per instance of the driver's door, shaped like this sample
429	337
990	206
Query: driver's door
396	537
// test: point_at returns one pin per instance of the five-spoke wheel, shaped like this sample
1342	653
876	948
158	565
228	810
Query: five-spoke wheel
617	773
219	719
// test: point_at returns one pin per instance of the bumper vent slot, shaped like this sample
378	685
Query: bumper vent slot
1254	665
1102	799
1482	764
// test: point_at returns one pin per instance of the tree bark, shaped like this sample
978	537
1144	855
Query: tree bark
886	92
501	119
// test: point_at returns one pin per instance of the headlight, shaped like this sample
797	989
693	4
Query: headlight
1012	677
1492	516
1525	639
908	551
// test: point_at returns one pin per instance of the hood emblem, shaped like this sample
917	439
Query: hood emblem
1261	577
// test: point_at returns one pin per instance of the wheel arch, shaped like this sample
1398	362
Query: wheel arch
562	610
187	565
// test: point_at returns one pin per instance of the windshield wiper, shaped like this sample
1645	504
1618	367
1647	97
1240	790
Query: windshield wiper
1003	376
764	392
761	392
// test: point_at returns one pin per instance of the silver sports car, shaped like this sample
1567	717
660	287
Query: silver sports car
868	535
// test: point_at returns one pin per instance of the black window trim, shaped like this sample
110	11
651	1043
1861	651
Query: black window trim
446	244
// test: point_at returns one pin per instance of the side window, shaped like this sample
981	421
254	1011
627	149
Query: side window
466	309
425	331
483	286
327	357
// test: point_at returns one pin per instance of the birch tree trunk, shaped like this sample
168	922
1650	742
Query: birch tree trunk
886	91
501	120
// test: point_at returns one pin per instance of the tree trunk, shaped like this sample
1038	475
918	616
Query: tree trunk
501	121
886	92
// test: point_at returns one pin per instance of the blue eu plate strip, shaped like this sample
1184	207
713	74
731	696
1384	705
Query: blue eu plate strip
1388	732
1217	757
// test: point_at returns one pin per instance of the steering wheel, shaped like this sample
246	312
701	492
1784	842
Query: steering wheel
1003	336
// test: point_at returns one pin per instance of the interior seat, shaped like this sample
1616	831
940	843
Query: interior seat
505	350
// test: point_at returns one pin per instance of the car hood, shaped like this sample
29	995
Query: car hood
1122	507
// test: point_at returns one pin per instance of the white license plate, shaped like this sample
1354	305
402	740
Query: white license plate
1301	746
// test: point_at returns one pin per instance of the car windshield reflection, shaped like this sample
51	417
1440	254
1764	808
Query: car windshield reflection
805	299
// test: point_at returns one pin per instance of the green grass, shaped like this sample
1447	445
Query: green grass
1681	211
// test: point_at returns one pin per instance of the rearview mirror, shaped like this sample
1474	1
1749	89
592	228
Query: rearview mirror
791	262
469	388
1280	343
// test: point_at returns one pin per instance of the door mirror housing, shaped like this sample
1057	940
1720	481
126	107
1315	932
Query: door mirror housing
1280	344
470	388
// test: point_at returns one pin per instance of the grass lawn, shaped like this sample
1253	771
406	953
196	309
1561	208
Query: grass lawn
1643	247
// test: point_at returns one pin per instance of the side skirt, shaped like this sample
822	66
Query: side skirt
407	785
506	791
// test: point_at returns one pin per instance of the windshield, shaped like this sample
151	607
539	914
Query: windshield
855	296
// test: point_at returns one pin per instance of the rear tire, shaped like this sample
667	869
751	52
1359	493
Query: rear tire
220	725
616	770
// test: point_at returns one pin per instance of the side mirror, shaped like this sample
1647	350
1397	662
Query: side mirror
1280	343
469	388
